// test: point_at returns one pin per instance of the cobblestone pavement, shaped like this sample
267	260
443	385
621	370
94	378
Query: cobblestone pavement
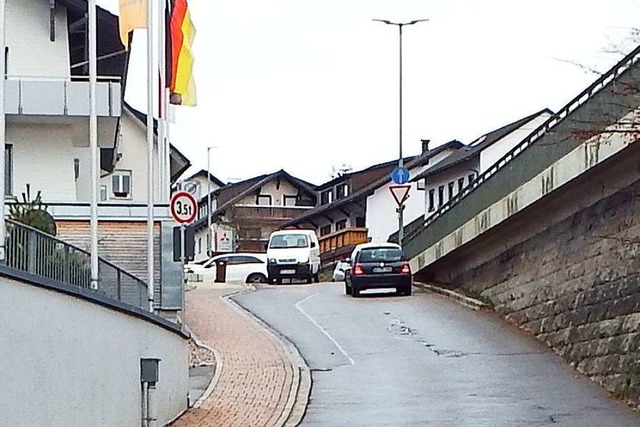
254	381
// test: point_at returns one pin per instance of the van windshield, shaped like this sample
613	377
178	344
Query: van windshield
283	241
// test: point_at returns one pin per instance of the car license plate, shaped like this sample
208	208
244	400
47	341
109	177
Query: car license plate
382	270
287	272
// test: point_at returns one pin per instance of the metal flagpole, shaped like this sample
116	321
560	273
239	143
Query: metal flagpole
162	181
93	139
150	181
3	131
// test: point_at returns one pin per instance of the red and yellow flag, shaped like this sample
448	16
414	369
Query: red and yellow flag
180	35
133	14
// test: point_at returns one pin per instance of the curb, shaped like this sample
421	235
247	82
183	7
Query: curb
216	375
298	398
471	303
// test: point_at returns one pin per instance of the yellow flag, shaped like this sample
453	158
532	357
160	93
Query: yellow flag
133	14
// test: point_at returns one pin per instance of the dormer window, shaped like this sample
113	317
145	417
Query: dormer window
342	191
326	197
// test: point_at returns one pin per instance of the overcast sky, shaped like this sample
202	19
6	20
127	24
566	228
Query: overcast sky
305	85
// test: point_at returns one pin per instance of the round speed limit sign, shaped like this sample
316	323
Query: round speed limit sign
183	207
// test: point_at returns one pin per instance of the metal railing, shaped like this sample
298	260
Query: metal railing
39	254
626	63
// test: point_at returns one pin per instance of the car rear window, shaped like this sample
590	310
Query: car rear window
380	255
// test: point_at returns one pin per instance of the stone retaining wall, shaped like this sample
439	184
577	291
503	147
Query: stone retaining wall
576	286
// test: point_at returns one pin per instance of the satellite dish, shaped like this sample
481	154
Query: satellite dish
190	187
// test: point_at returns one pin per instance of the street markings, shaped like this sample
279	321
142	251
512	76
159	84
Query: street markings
312	320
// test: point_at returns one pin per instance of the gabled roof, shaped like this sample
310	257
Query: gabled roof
173	151
348	175
479	144
232	193
203	173
367	190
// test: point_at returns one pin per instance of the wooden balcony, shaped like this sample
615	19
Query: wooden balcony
339	244
274	213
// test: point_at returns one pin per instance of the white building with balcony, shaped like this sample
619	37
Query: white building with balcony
47	123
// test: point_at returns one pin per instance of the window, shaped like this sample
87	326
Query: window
243	259
326	197
360	222
380	255
460	184
289	200
422	184
121	184
8	169
341	225
325	230
103	193
208	242
440	195
342	191
283	241
432	202
264	200
199	245
470	177
450	190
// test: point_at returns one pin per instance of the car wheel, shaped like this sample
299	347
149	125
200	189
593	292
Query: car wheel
310	279
256	278
355	292
347	289
316	278
408	291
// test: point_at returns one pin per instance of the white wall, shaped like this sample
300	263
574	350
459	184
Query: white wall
382	218
69	362
43	157
133	147
31	53
277	193
494	152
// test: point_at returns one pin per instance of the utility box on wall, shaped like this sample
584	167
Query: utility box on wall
189	236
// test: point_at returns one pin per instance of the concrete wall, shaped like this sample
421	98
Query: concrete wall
70	362
28	39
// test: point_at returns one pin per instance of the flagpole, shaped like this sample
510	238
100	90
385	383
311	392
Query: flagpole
3	130
150	192
93	139
162	191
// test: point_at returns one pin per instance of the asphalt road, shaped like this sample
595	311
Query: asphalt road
424	360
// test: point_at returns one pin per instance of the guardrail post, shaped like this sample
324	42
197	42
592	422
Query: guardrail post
119	285
66	266
32	252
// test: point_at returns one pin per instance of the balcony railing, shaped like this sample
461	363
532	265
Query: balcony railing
54	96
270	212
335	244
41	255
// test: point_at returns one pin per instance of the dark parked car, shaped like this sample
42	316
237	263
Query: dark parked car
376	266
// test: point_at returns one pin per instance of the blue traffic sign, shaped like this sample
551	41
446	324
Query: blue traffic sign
400	175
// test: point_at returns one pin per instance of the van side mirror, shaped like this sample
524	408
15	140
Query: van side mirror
348	260
313	244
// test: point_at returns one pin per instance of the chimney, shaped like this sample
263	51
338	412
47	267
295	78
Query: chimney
425	145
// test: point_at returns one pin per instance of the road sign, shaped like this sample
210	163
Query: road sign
400	193
183	207
400	175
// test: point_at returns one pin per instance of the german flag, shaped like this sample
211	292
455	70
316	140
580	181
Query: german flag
180	35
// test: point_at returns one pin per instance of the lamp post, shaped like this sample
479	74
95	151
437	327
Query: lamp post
400	159
210	243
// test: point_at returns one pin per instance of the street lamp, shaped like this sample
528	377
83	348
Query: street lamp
400	160
210	243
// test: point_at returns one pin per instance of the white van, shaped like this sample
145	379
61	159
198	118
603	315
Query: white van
293	254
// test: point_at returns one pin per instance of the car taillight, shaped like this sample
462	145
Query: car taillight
405	268
357	270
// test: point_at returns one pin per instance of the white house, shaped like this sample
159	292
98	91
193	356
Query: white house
444	181
47	116
381	214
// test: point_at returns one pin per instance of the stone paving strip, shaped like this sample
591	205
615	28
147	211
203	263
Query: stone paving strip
260	379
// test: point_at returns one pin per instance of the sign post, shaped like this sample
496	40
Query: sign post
184	211
400	194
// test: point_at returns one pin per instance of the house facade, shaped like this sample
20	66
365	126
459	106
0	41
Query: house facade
47	124
245	213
